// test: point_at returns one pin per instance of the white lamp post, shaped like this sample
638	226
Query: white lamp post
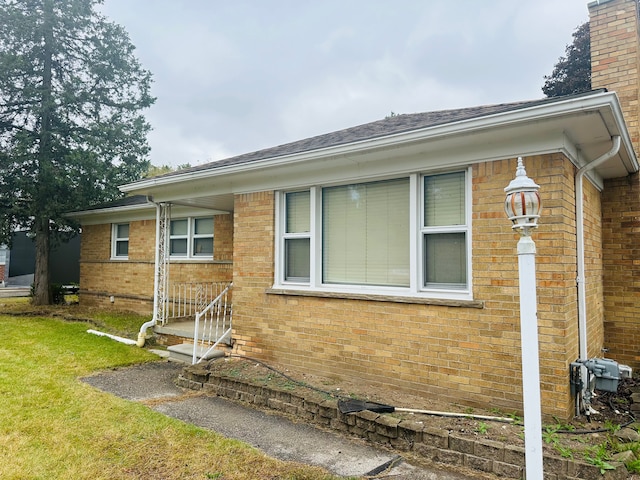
522	206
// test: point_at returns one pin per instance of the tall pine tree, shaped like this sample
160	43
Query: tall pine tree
71	127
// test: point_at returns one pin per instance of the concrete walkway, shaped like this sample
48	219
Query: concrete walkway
276	436
10	292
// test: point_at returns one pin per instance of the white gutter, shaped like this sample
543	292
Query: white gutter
142	334
582	295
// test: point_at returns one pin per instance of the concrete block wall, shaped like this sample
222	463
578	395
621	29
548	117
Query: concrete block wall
403	435
460	352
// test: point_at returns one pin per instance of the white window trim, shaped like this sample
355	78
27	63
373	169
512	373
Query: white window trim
115	240
190	237
415	288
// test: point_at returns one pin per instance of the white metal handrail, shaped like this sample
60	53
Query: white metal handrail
220	312
188	298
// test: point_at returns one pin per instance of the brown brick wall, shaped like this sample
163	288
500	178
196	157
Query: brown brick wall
621	230
130	281
459	354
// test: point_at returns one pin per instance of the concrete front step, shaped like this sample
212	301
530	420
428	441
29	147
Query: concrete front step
184	353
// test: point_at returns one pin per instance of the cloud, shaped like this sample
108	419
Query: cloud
233	77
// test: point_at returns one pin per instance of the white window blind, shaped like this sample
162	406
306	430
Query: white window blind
298	205
365	233
444	199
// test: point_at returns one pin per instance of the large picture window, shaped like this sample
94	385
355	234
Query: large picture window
191	237
365	234
406	235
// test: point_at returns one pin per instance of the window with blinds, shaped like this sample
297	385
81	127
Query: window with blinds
444	241
365	234
407	235
297	243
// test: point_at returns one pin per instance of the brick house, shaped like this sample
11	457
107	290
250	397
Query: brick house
383	252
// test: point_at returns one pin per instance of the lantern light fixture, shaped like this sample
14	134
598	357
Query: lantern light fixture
522	204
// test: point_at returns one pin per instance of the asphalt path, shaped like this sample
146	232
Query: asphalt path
275	435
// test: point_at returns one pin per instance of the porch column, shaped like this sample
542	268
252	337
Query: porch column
161	276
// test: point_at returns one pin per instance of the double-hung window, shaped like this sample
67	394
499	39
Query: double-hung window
297	236
120	241
444	231
403	236
191	237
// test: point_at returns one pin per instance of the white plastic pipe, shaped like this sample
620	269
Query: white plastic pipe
113	337
580	280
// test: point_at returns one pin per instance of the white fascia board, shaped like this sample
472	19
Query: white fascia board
108	215
134	213
538	113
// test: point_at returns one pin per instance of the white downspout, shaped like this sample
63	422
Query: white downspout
142	334
582	295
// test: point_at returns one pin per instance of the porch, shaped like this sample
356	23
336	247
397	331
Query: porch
197	321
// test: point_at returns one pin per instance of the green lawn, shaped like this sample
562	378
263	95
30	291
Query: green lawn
56	427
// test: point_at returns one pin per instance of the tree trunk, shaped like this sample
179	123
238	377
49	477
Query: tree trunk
41	292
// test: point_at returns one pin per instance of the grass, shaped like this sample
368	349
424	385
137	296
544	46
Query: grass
54	426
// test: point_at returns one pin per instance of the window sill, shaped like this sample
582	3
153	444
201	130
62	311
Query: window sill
198	260
378	298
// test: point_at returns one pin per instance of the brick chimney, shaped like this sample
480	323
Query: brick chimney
615	56
615	65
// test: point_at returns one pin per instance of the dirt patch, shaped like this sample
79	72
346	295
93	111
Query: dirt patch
595	441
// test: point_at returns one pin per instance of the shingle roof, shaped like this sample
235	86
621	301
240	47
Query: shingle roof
391	125
130	201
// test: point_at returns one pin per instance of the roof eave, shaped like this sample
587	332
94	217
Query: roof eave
596	101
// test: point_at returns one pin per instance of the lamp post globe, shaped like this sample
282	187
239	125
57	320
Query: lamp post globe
522	204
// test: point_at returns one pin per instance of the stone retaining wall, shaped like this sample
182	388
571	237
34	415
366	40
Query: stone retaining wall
424	442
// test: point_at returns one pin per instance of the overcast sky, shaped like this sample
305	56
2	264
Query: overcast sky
236	76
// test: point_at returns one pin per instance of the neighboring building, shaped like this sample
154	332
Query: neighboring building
383	252
4	265
64	260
